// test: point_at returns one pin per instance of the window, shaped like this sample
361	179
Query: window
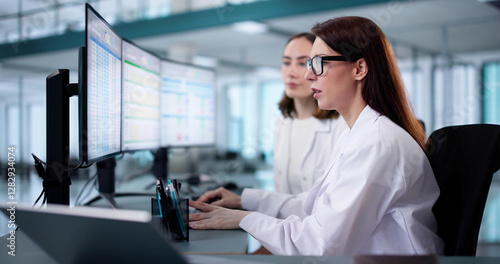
270	93
456	96
242	122
252	113
419	95
491	93
37	130
13	131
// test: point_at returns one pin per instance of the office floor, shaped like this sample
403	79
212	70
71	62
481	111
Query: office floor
28	188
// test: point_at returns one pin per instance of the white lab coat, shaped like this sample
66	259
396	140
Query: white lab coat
321	148
375	198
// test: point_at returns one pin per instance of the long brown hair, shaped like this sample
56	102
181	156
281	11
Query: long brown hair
286	105
384	91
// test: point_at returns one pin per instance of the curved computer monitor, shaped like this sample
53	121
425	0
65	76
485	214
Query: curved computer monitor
100	90
187	105
141	87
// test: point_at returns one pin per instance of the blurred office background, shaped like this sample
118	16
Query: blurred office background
448	50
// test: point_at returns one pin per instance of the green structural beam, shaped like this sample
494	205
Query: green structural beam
220	16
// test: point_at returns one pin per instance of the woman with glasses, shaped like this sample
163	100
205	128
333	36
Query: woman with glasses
377	194
305	136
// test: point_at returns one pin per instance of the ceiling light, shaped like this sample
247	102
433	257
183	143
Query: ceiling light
250	27
205	61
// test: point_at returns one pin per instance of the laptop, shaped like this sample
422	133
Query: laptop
95	235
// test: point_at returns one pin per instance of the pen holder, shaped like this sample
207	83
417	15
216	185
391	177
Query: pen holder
175	220
157	217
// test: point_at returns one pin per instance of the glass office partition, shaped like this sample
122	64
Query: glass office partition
491	93
270	94
243	120
457	97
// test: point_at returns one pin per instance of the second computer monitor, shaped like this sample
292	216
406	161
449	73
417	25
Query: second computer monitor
187	105
140	98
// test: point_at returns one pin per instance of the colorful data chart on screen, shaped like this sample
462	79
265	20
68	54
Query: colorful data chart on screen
103	88
187	105
141	99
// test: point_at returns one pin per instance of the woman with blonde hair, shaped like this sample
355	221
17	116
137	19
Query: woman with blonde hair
305	135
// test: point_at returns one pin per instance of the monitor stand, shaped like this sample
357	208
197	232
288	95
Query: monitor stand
160	167
106	178
57	182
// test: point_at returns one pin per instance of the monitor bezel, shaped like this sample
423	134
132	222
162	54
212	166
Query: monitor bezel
209	145
159	125
83	93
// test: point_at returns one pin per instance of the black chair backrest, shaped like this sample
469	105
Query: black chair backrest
464	159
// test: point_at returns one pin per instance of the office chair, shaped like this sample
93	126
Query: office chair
464	159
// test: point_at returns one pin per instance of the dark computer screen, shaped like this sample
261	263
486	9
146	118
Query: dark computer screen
187	105
100	91
141	83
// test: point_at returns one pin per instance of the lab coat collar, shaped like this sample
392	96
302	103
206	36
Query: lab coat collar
321	125
366	118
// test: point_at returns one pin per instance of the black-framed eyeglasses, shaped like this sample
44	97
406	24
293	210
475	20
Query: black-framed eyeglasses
317	62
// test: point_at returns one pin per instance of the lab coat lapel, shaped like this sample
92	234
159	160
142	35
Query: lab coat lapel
284	143
367	116
311	198
320	126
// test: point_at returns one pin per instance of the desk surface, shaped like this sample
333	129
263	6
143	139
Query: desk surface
29	252
209	242
200	241
26	251
248	259
217	246
232	242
